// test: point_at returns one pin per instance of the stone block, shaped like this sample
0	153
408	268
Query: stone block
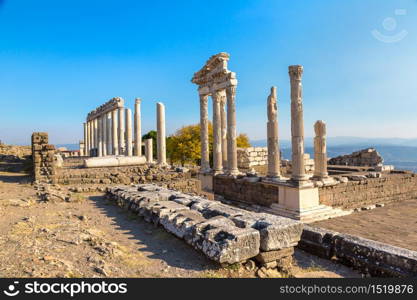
270	256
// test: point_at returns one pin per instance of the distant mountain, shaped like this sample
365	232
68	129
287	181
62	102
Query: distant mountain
351	141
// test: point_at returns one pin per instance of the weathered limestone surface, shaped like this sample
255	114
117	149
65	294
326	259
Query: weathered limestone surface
138	128
231	128
121	131
204	134
129	145
161	138
114	161
43	156
247	158
149	150
320	151
365	157
371	257
115	137
223	118
297	124
274	160
225	234
217	133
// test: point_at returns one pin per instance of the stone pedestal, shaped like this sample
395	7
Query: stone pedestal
161	137
206	180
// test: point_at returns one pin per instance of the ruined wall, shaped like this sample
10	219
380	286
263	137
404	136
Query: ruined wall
258	193
391	187
78	177
43	156
247	158
366	157
370	257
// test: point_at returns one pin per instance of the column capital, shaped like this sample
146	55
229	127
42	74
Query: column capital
138	100
320	128
296	72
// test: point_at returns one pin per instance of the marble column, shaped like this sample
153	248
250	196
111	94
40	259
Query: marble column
121	133
204	134
85	138
217	133
129	143
104	144
92	138
88	138
274	160
138	129
115	138
320	151
95	137
161	139
224	129
231	131
100	137
297	125
149	150
109	134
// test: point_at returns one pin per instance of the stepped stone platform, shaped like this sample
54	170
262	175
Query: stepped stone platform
225	234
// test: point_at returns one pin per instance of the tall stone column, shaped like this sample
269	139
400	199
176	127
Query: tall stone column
109	134
129	143
231	131
204	134
85	138
297	124
217	133
88	138
100	137
320	151
104	144
149	150
274	160
115	138
92	144
96	137
138	129
121	135
161	139
224	130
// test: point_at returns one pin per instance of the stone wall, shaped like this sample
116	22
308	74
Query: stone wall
43	156
366	157
225	234
166	177
247	158
242	190
370	257
396	186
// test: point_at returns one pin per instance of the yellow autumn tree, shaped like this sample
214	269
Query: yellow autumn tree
184	146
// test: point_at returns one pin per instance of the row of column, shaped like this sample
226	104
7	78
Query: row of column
297	134
224	131
112	134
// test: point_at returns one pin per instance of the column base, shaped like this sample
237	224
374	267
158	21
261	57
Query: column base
275	179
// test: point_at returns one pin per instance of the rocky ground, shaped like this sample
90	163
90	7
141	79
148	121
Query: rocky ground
85	236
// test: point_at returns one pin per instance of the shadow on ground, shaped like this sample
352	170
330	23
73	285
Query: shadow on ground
154	241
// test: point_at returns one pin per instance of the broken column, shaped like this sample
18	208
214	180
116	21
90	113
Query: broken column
121	133
320	151
297	125
217	133
274	163
138	130
115	138
231	126
204	133
160	125
129	145
149	150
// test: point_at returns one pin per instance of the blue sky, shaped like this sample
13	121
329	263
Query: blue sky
61	59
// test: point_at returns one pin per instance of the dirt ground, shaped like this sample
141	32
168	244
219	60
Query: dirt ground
394	224
89	237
